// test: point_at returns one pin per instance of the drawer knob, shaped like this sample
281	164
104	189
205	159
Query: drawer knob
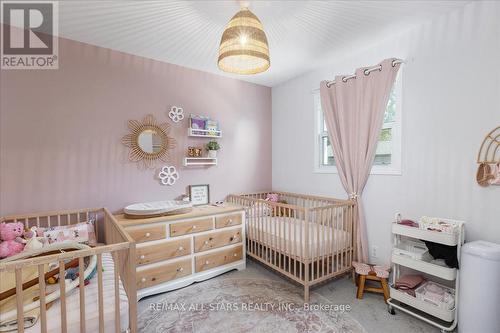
142	256
194	227
181	248
206	242
148	234
143	280
180	269
229	221
235	254
207	262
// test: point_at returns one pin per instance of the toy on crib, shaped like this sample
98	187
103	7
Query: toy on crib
52	280
34	242
11	241
71	273
273	197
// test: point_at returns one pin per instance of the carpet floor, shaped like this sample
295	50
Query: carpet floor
260	300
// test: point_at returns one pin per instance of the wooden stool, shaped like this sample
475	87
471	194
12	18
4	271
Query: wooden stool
372	273
362	286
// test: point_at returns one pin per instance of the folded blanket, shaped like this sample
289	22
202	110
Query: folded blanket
409	281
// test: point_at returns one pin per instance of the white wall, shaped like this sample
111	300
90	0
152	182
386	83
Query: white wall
451	89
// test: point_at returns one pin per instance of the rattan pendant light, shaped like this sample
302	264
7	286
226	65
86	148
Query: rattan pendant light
243	46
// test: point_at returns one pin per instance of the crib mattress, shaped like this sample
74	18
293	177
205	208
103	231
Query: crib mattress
288	236
91	305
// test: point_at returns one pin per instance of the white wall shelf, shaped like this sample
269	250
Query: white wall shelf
199	161
412	305
201	133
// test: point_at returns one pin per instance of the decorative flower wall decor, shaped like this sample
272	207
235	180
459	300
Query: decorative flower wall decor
176	114
168	175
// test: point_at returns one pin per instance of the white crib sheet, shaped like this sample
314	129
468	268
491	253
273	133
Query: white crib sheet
288	236
91	305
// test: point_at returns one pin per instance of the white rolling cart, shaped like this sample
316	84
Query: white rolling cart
440	317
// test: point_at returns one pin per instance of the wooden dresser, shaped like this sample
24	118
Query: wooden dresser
175	251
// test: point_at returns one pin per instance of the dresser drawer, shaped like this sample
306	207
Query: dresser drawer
219	258
163	251
227	221
189	227
146	234
163	273
217	239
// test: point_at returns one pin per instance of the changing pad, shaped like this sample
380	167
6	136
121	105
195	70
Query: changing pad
157	208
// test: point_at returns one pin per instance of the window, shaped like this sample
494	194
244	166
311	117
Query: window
388	155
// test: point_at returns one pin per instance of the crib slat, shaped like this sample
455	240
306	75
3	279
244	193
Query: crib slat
302	225
294	247
81	279
62	288
317	226
351	226
289	245
250	227
279	244
253	226
307	219
343	240
43	307
258	222
337	245
19	300
262	233
274	222
117	298
100	292
331	234
324	231
266	234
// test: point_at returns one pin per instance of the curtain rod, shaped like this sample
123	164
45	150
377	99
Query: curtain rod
367	71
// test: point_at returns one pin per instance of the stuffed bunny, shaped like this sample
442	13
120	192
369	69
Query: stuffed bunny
34	242
11	241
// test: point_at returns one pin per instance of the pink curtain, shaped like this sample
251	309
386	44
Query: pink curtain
354	111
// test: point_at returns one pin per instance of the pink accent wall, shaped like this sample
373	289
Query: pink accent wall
61	130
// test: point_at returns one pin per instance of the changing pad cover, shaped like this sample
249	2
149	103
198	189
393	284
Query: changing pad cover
156	207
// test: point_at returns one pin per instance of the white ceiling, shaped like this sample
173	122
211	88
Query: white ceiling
301	34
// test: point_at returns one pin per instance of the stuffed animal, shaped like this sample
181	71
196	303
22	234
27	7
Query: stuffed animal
34	242
11	241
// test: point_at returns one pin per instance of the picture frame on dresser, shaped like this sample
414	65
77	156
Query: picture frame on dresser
199	194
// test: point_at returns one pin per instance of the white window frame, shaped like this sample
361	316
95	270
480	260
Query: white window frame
378	169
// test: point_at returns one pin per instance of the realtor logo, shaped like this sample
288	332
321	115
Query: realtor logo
29	35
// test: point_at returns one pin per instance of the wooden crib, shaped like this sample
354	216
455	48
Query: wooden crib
118	289
307	238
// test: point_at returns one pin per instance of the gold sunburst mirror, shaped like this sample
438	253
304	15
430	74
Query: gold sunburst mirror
148	142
